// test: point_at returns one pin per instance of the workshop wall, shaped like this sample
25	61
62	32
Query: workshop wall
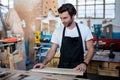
31	13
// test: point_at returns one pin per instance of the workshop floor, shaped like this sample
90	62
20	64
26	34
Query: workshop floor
90	76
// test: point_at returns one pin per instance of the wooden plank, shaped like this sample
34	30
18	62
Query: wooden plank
62	71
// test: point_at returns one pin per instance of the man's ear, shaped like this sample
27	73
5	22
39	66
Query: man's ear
73	16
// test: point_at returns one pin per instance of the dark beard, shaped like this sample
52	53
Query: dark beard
69	23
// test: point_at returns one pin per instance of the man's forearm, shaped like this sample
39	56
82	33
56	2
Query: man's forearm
90	51
89	56
46	60
49	56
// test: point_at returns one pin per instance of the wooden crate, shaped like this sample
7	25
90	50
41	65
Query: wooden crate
97	63
114	65
108	72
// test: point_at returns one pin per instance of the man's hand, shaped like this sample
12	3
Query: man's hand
39	65
81	67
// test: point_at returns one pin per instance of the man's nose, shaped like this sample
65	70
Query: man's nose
62	20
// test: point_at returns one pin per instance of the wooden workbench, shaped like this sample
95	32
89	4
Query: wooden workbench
103	65
7	74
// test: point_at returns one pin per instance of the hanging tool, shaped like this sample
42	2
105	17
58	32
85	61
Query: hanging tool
111	55
97	28
37	46
37	37
10	40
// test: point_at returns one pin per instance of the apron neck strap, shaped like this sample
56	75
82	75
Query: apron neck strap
77	30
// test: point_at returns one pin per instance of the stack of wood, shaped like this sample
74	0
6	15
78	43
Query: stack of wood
10	60
6	74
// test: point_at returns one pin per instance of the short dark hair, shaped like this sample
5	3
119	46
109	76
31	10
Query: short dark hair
68	7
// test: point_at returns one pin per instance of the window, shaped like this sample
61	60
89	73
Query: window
7	3
4	6
94	8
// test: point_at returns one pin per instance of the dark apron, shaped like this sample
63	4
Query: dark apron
72	53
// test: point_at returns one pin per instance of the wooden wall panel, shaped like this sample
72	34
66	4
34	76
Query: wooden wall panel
50	5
